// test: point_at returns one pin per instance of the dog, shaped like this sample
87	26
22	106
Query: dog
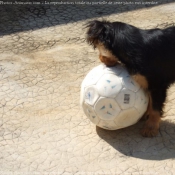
148	55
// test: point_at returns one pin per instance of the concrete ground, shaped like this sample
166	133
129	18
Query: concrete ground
43	60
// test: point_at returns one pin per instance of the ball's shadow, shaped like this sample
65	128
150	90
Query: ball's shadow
129	142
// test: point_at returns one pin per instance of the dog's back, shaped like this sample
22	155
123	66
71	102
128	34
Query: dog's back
160	53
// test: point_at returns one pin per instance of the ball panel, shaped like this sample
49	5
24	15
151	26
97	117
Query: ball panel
91	95
128	82
127	117
90	113
93	76
109	125
106	108
141	101
126	98
109	85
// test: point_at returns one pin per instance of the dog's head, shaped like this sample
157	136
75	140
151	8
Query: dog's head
100	35
117	42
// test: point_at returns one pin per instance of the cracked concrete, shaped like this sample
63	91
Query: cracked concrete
44	58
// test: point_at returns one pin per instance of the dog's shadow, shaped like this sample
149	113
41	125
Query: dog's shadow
129	142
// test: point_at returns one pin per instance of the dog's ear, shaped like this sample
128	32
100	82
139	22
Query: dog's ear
98	31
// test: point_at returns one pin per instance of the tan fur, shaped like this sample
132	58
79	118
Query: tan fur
141	80
106	56
151	126
107	61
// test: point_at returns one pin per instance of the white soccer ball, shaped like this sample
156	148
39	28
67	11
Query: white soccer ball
111	99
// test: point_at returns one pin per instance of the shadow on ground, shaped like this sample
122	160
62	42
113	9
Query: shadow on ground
17	18
129	142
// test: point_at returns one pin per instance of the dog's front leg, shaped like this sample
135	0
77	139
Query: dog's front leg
157	99
151	127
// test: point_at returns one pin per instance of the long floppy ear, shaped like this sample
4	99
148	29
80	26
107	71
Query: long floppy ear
98	31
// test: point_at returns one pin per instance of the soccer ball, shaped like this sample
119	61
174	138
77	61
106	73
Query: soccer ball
111	99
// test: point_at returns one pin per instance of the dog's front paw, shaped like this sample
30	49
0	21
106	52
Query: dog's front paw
149	132
151	127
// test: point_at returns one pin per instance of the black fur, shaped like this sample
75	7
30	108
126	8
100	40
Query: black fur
150	53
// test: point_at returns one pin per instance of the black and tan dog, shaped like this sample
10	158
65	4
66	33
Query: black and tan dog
149	56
